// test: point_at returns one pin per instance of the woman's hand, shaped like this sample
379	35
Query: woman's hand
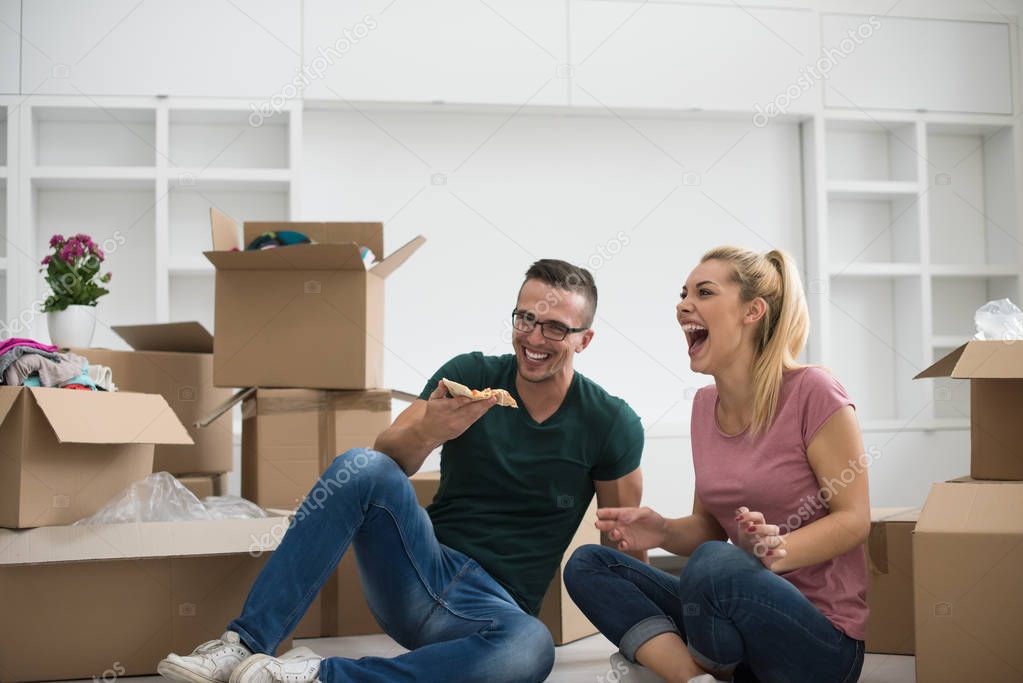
632	528
755	536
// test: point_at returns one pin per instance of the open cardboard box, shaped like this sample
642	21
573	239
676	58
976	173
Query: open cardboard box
64	454
174	360
967	559
114	599
307	315
995	371
889	551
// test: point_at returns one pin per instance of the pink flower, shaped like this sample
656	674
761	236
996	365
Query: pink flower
56	240
46	259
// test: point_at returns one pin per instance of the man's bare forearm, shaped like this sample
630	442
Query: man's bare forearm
407	445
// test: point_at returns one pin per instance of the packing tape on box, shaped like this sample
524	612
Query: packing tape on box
319	401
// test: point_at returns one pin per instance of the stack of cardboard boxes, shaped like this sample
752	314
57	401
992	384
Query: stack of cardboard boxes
304	325
968	542
104	600
944	582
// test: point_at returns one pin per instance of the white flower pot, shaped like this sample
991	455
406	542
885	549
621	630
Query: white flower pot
73	326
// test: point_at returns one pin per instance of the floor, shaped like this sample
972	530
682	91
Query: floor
579	662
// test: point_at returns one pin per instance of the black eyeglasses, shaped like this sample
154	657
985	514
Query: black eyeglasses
525	321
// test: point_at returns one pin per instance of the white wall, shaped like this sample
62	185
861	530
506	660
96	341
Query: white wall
550	186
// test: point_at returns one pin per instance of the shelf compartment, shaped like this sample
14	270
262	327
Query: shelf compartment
885	231
191	298
955	300
951	396
189	219
94	136
879	324
227	139
972	195
3	224
3	137
871	150
123	223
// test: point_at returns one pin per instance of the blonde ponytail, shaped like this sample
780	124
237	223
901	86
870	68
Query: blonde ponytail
783	328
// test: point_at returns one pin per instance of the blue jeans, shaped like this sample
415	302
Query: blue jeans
737	617
458	622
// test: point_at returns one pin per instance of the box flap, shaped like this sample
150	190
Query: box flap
395	260
50	544
980	360
8	395
973	508
114	417
189	337
363	233
296	257
225	231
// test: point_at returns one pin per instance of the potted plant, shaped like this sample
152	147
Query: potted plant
71	269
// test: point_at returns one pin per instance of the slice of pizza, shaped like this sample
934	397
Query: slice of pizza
503	397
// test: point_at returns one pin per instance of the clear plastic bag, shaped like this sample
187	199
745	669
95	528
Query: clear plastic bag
162	498
999	320
232	507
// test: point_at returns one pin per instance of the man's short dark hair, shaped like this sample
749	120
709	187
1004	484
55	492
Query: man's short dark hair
563	275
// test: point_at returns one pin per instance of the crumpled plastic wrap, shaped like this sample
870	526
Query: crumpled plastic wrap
999	320
162	498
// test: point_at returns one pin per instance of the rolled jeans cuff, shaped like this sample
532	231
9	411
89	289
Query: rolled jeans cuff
644	631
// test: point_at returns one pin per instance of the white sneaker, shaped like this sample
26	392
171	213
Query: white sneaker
630	672
292	667
211	662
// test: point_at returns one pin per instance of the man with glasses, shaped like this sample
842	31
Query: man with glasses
458	584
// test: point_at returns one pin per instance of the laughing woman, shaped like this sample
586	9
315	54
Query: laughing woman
776	452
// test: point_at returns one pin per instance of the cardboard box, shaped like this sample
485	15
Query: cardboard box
995	371
113	600
202	485
290	436
64	454
307	315
174	360
967	555
352	617
889	552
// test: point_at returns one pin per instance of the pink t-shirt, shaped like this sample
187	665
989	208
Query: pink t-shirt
772	475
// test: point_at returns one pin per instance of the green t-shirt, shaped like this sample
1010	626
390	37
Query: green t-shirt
513	492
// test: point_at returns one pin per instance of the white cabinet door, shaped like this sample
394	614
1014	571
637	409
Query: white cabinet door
678	56
241	48
10	45
921	64
492	51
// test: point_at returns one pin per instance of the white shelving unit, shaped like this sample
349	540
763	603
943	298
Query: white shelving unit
140	175
912	224
8	203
